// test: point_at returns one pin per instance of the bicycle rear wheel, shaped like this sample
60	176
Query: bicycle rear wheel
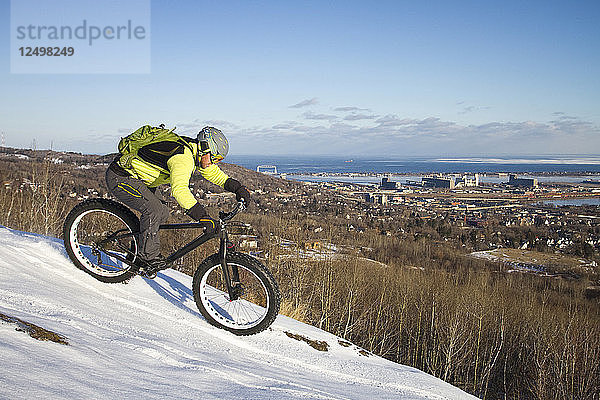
100	239
258	300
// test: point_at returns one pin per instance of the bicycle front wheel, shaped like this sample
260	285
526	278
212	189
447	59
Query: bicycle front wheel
100	238
257	295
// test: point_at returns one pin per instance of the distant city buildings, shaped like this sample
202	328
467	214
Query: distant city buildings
450	182
377	198
468	180
457	181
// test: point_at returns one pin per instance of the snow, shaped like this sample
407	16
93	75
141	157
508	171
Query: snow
147	340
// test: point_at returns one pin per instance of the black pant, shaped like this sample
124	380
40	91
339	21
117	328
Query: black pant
135	194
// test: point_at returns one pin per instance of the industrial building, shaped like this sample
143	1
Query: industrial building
438	182
386	184
527	182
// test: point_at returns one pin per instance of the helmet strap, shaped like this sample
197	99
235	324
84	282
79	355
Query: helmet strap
203	146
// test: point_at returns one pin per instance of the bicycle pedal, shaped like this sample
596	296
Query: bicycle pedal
147	273
150	275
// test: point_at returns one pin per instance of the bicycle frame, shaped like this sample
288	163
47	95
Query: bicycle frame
200	240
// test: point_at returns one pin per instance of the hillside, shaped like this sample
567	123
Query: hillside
147	340
471	321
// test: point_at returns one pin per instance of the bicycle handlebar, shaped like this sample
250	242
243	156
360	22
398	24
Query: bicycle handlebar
226	216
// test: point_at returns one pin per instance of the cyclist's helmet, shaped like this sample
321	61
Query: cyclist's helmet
211	140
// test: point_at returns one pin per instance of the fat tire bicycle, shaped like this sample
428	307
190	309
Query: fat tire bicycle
232	290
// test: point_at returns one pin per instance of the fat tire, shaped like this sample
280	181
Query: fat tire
128	217
263	274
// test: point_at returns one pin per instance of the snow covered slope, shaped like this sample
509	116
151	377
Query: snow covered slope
147	340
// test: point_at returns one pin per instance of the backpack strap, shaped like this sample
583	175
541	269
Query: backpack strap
159	153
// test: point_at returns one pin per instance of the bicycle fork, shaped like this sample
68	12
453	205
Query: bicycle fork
232	280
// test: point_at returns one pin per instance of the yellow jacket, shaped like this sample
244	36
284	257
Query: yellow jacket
178	173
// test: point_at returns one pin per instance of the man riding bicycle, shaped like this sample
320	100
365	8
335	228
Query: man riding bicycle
170	162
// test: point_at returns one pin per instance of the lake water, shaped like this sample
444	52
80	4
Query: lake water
420	165
411	169
574	202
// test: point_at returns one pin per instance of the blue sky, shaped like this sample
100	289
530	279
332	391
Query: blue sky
336	78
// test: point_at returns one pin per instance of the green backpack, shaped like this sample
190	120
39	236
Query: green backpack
132	143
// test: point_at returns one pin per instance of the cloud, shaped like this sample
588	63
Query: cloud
310	130
106	137
219	124
563	116
394	135
347	109
573	125
470	109
305	103
392	120
507	130
394	126
192	128
357	131
189	126
356	117
537	134
311	115
285	125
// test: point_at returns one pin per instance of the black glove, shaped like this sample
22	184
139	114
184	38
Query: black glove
198	213
241	193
